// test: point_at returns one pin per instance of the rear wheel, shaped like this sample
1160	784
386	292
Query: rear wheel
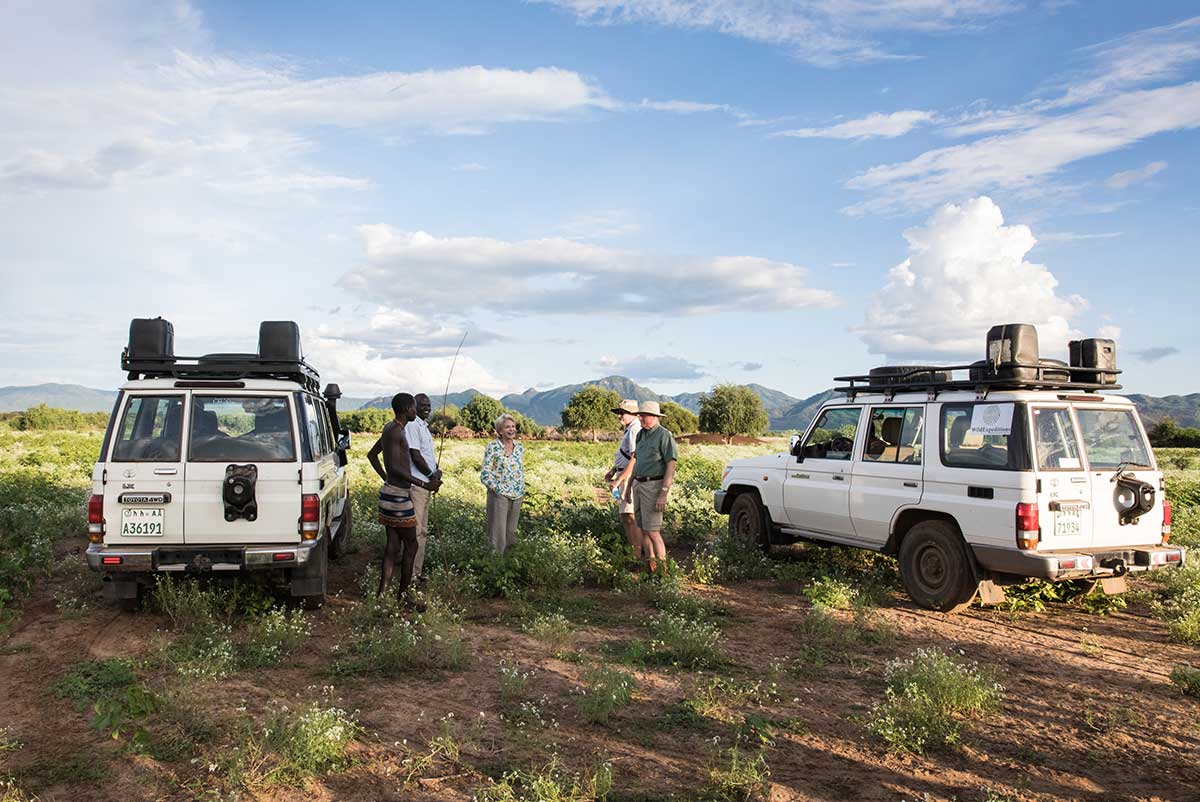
308	583
935	568
747	521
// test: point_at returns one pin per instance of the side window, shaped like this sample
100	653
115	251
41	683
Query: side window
151	429
312	429
323	420
895	435
1054	440
984	435
832	437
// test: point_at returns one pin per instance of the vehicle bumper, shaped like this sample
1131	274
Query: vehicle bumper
1079	563
719	502
143	559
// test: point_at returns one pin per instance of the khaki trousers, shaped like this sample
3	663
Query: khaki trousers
502	515
420	499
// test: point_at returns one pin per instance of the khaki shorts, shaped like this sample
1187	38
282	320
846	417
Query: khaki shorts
627	497
645	497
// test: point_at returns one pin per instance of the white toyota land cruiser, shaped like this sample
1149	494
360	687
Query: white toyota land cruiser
219	463
1018	469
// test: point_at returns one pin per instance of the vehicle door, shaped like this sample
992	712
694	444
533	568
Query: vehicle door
887	476
816	490
1113	438
321	458
1065	501
144	494
242	429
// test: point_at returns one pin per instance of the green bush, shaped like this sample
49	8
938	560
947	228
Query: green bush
1187	680
684	641
732	559
835	594
604	690
91	680
549	784
42	418
315	742
384	640
734	777
928	697
368	420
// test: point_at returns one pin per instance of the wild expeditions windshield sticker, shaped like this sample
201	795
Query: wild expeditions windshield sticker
992	419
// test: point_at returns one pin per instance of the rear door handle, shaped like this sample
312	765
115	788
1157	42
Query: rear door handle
837	477
910	484
799	475
165	471
1078	479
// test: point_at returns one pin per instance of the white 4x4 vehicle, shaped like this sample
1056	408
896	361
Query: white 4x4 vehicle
1020	470
221	463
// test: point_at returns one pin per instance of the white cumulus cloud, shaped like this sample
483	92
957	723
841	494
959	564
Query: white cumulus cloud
555	274
965	272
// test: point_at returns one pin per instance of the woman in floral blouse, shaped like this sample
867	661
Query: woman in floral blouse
503	475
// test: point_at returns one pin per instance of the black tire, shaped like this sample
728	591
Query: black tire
337	544
313	579
935	568
748	521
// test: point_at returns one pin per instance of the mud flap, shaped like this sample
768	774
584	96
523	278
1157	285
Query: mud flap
1114	585
116	590
309	580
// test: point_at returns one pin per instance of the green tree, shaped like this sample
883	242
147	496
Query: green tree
590	409
679	420
527	426
443	420
480	413
368	419
732	409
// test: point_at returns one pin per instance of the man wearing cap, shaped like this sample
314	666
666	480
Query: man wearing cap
619	476
654	459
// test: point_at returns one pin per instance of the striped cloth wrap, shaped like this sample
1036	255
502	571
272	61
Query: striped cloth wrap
396	507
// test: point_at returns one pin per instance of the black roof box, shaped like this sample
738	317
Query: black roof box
151	337
279	340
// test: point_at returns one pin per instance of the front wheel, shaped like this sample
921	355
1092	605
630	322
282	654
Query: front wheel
747	521
935	568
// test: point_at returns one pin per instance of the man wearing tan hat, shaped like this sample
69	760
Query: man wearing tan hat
620	475
654	458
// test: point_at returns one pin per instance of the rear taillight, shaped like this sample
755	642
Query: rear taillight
96	519
1166	530
310	516
1028	529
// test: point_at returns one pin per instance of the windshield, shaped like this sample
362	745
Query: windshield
1111	437
241	428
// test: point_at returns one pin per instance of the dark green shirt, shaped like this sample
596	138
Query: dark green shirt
655	448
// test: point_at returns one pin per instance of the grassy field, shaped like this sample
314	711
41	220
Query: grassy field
554	674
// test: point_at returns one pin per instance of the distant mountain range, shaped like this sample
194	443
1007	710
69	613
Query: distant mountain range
545	406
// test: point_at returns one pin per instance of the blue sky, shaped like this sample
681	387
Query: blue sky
683	192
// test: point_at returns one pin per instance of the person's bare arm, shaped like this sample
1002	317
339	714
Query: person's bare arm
668	480
373	458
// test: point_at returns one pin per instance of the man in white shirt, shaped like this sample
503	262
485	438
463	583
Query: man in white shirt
425	468
618	476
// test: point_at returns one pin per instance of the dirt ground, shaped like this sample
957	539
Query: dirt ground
1088	712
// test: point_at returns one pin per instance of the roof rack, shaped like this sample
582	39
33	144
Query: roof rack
1039	377
221	367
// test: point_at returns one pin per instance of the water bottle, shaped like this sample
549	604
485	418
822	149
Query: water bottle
616	493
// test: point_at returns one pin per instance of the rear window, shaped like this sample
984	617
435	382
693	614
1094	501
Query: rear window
1112	437
150	429
984	436
1054	440
241	429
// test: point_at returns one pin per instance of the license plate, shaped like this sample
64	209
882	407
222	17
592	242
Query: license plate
1068	522
141	522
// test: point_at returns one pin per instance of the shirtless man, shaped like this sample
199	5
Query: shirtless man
395	502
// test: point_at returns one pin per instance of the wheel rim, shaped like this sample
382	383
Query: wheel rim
932	568
745	528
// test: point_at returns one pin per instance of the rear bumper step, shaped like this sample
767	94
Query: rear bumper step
1079	563
142	559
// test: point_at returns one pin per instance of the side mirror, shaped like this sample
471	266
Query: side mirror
792	442
797	448
343	441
